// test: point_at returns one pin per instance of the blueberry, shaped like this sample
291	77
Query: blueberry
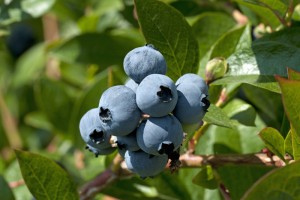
156	95
143	61
128	142
160	135
122	152
194	78
131	84
144	164
192	103
92	132
118	110
20	39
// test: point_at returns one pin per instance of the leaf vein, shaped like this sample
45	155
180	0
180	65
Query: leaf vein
37	180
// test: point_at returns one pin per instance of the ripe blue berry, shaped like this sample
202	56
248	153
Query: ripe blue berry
91	130
122	152
131	84
128	142
160	135
192	103
143	61
145	165
22	37
156	95
195	79
118	110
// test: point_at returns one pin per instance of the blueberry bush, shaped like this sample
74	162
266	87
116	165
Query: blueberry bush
62	61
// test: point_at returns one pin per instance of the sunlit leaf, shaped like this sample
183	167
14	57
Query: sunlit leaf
273	140
218	117
232	41
29	66
293	74
20	10
208	28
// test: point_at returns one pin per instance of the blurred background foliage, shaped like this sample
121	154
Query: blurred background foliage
58	56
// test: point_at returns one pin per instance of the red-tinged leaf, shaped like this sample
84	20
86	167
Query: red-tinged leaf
293	74
290	90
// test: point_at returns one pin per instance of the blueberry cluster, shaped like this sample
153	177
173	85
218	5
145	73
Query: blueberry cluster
144	118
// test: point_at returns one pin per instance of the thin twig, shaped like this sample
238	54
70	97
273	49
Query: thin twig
196	161
16	184
9	124
118	169
104	179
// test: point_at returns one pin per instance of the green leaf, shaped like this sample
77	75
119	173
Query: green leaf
208	28
267	10
288	144
288	37
273	141
233	40
278	6
264	82
38	120
238	179
262	59
290	94
268	105
5	70
295	144
187	175
191	8
44	178
133	188
20	10
291	145
268	56
29	66
241	111
55	102
75	74
96	48
296	14
169	185
217	116
281	183
166	28
205	178
105	6
293	74
13	173
6	193
218	139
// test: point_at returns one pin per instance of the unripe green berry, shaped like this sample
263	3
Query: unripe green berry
215	68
